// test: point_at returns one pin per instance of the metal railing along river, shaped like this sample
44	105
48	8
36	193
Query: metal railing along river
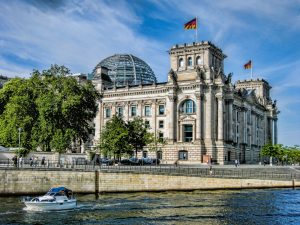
265	173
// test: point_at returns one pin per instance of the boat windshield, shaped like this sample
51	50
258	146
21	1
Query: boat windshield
60	192
50	193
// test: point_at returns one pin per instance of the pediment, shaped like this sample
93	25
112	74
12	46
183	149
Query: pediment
187	118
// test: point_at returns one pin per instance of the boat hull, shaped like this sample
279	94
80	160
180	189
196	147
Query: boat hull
50	206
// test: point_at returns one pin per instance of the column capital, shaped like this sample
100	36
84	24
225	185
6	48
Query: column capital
198	96
219	96
172	98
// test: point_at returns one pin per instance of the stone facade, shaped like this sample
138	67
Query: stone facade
202	115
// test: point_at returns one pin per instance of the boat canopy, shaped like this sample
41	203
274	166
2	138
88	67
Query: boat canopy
58	189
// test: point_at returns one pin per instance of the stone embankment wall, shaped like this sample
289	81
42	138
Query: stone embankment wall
21	182
35	182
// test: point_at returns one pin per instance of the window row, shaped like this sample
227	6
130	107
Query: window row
190	61
133	111
182	154
187	107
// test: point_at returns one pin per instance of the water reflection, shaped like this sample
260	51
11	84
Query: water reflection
279	206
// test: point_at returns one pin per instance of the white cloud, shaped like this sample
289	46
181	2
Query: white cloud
78	37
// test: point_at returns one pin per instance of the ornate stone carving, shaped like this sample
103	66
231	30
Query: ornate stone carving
172	76
200	73
172	98
228	79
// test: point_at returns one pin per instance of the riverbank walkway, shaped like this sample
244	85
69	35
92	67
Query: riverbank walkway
243	171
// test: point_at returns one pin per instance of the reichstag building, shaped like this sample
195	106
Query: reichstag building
200	113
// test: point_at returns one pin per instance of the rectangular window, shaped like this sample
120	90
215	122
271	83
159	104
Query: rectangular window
159	154
147	110
107	113
120	111
161	110
145	154
133	110
183	155
147	124
160	124
160	135
188	133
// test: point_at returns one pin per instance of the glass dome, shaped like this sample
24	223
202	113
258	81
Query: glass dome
126	69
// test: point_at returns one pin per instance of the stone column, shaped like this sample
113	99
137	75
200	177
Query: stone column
275	131
208	118
245	126
126	111
172	124
220	118
198	116
230	109
253	129
153	115
181	132
114	109
97	122
194	61
271	130
140	109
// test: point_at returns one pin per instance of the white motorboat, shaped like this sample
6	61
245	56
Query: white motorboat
59	198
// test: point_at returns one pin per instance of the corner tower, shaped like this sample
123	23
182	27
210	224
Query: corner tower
184	59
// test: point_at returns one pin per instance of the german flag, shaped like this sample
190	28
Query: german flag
191	24
248	65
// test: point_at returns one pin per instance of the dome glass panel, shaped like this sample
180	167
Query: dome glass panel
126	69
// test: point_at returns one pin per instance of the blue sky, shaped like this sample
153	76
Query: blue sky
80	33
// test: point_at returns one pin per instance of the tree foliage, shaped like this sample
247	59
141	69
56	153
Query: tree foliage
138	134
114	138
121	138
284	154
155	142
52	109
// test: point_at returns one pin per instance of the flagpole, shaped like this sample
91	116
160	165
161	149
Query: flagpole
251	69
196	29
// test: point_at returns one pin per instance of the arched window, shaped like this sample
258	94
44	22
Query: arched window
181	64
188	107
190	62
198	60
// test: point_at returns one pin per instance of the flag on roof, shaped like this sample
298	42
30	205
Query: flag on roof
192	24
248	65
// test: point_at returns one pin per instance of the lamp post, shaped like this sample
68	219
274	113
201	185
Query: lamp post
19	129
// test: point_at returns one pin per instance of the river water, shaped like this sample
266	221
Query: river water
268	206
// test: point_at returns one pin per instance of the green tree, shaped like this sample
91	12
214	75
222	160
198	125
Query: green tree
52	109
138	134
155	143
271	151
114	138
